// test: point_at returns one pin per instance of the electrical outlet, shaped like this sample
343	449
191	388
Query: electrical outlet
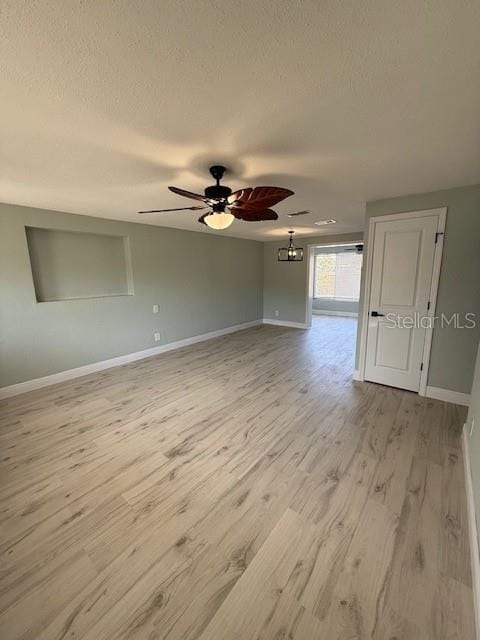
472	424
155	308
277	313
156	337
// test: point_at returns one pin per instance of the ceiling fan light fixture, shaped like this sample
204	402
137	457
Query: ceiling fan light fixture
219	221
251	204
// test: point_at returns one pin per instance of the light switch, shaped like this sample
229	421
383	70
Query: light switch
156	337
155	308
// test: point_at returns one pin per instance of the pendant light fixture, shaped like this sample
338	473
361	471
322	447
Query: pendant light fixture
290	253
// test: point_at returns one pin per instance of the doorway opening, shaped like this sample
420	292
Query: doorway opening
334	287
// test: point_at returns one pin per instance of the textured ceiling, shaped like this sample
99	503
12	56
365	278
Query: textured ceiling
105	103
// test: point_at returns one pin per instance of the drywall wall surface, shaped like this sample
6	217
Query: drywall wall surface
285	283
201	282
453	351
67	264
331	305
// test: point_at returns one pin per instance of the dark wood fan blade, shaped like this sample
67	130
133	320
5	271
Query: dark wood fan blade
168	210
202	218
237	197
188	194
253	215
260	198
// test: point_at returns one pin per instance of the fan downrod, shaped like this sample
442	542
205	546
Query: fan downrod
217	171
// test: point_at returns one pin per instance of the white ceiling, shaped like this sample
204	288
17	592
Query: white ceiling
105	103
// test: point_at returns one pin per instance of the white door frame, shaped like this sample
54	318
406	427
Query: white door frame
437	261
309	292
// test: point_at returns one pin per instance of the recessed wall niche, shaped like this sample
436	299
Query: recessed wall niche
68	265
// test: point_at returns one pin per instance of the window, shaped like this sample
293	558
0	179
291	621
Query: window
337	275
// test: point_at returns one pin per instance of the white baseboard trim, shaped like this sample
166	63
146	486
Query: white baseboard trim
62	376
356	376
285	323
472	528
455	397
322	312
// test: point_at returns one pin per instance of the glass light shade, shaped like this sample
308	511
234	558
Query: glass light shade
284	255
219	220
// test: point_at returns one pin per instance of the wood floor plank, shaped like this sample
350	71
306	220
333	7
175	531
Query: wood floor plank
455	548
392	626
451	617
394	468
28	616
417	561
359	594
259	589
332	537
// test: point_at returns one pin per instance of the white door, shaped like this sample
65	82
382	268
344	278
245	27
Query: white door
402	268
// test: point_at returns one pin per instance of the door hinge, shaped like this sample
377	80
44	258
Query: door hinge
421	367
437	235
428	305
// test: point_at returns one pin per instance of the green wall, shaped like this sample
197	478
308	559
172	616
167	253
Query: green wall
202	282
67	264
345	306
285	283
452	359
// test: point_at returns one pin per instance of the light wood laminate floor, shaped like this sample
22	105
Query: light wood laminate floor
240	489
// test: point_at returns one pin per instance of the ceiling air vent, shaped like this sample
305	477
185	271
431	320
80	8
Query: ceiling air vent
322	222
298	213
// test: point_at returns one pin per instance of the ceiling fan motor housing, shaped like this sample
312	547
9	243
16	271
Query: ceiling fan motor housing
217	192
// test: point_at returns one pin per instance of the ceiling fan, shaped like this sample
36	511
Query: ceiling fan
251	204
